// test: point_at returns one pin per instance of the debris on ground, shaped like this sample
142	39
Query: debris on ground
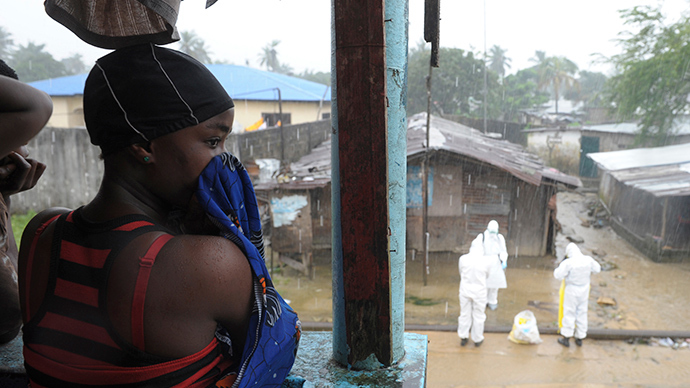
606	301
599	252
607	265
666	342
576	239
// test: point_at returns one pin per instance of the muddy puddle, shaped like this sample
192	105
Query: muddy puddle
640	294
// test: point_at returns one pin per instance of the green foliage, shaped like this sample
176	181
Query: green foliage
269	58
32	63
590	90
74	65
562	157
522	92
191	44
6	45
556	73
320	77
498	62
651	83
456	86
19	222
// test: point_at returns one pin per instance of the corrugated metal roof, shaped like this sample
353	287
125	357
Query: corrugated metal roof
681	126
660	171
453	138
642	157
241	83
72	85
459	139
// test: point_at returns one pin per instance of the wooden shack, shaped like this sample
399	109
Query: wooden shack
473	179
647	194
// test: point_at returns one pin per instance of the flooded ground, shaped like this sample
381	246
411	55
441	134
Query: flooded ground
647	295
499	363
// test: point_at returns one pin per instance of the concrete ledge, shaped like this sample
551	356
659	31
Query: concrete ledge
11	357
315	364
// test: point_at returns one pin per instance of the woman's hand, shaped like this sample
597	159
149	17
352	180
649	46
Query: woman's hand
19	173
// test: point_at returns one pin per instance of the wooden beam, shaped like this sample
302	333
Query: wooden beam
362	136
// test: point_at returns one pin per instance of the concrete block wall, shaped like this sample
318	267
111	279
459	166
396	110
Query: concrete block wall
75	169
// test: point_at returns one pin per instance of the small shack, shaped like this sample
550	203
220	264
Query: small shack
473	179
647	194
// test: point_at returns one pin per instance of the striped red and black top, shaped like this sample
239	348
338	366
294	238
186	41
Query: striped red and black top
70	341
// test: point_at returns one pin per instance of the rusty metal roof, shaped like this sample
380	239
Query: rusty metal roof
445	136
460	139
660	171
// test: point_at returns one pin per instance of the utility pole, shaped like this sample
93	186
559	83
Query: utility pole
485	68
432	19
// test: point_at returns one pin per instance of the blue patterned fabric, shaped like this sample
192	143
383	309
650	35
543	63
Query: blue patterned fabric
226	193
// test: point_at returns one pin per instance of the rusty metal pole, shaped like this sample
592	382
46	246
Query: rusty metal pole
360	65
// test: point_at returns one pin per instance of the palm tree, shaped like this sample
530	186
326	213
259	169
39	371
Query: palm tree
269	56
539	57
192	45
556	72
498	62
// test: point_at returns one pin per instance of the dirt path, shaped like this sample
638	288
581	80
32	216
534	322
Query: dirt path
500	363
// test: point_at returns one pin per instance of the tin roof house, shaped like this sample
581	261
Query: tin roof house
647	193
259	96
472	180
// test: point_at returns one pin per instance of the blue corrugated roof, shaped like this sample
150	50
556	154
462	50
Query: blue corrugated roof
72	85
242	83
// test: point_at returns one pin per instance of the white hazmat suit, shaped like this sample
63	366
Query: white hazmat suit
474	271
576	269
495	251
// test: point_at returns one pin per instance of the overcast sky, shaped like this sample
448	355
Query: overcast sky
236	31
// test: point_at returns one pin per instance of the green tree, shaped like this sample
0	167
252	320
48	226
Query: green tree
74	65
652	73
498	62
32	63
456	87
590	92
522	92
269	56
191	44
6	45
539	58
320	77
557	73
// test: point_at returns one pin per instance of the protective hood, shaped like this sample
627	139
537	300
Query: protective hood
492	227
477	248
572	250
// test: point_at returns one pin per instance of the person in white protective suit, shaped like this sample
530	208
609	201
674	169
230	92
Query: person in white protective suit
474	271
495	251
575	270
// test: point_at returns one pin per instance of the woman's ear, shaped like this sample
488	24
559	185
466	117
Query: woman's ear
142	152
